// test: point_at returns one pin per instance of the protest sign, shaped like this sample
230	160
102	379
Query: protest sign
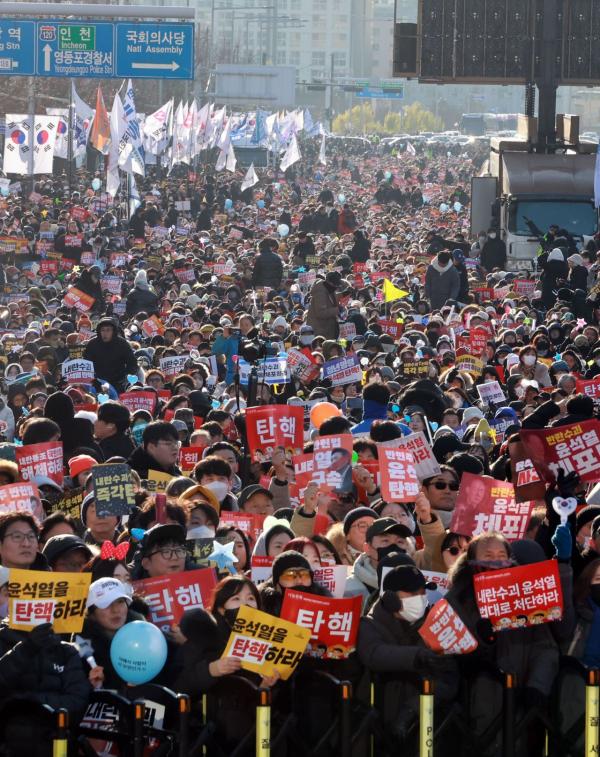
200	550
153	326
118	259
424	460
159	479
189	456
574	447
590	388
347	330
332	577
272	426
113	489
524	287
306	279
399	482
442	584
173	365
44	459
21	497
330	464
483	294
302	366
78	371
528	485
185	275
264	643
333	623
485	504
393	328
500	426
70	503
272	370
517	597
36	597
169	596
261	568
343	370
138	401
415	369
75	298
466	361
444	632
111	283
491	393
250	523
474	341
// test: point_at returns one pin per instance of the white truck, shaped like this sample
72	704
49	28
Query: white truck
520	186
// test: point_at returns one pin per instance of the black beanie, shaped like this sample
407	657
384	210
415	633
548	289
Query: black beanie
581	404
358	512
465	463
585	516
287	560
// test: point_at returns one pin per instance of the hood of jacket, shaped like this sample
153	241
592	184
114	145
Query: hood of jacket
366	573
441	269
107	322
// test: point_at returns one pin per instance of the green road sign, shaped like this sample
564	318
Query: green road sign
75	37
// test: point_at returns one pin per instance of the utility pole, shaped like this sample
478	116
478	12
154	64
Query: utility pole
329	92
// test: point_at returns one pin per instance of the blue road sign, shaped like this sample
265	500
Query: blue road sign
96	49
381	93
75	49
153	51
17	42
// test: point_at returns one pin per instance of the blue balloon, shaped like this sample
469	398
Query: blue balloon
138	652
342	198
388	175
260	204
228	204
96	184
4	191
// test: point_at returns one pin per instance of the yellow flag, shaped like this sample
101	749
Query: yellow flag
391	293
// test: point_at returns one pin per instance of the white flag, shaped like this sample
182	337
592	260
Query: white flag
292	154
18	155
250	179
61	144
83	116
157	128
43	143
410	149
118	129
131	152
202	121
221	161
322	158
231	159
134	196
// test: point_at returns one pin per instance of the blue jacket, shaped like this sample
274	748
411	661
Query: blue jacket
228	346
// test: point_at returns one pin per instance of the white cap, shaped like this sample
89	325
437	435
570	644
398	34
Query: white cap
103	592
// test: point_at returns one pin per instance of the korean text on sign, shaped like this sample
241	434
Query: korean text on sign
171	595
399	482
44	459
575	447
517	597
37	597
443	631
333	623
78	371
113	489
264	643
272	426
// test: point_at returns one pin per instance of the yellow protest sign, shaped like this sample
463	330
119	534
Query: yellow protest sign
37	596
160	479
264	643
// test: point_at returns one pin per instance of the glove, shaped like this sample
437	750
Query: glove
562	542
566	484
42	636
426	661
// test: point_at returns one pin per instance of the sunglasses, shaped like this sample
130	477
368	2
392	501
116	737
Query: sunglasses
453	550
295	573
441	485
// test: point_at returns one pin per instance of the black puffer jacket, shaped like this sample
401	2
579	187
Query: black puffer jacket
268	270
51	675
139	300
112	360
207	637
142	462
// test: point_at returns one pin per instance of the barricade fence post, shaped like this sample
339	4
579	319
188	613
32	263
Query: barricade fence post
592	713
263	723
60	744
204	717
345	745
183	701
509	715
139	708
426	719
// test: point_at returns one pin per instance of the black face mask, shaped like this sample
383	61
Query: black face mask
231	615
383	552
595	593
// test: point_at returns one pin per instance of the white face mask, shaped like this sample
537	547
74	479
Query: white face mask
219	488
492	235
529	359
413	608
306	340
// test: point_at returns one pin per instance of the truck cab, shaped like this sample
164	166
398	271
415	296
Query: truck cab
522	193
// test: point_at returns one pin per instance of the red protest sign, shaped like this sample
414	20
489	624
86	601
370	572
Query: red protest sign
153	326
484	293
590	388
302	366
48	267
21	497
444	632
391	327
138	401
399	482
333	623
185	274
524	287
250	523
485	504
189	456
474	342
75	298
272	426
118	259
330	465
574	447
41	460
517	597
527	483
169	596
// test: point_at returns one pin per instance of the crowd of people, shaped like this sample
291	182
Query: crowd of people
191	301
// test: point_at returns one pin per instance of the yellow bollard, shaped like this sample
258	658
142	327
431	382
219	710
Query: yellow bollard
426	720
59	745
592	713
263	724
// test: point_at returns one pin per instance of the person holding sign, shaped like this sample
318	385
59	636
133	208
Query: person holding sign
389	642
291	570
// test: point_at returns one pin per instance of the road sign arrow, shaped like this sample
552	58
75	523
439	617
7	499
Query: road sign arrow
47	53
156	66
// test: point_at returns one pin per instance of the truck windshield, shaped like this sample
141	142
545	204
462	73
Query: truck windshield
576	217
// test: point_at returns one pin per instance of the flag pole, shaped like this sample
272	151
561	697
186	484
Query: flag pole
70	140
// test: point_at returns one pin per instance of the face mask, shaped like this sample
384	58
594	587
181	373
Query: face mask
413	608
306	341
383	552
529	359
493	235
595	593
218	488
231	615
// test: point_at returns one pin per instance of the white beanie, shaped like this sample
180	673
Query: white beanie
141	279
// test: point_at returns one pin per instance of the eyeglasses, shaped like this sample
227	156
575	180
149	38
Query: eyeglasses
360	526
295	573
170	554
18	537
171	444
453	550
441	485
